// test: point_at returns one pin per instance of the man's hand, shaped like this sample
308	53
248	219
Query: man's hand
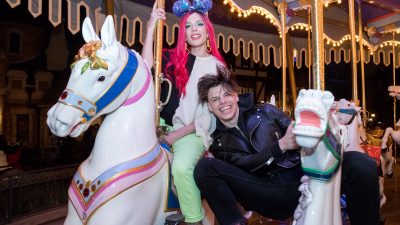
288	142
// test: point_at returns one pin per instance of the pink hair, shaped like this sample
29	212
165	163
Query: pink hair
178	56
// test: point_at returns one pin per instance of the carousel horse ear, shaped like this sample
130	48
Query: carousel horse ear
88	31
108	32
272	100
328	99
335	105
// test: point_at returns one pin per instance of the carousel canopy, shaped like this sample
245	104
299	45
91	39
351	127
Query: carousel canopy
250	27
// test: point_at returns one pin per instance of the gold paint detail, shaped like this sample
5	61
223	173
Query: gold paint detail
317	21
83	120
158	63
86	220
88	51
91	111
353	51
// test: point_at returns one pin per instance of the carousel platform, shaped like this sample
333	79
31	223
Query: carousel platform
390	211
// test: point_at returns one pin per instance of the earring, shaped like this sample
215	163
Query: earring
208	47
187	48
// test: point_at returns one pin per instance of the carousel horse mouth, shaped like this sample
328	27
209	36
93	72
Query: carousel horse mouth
75	131
308	123
393	91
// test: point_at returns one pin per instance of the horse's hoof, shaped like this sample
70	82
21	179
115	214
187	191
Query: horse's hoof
382	220
174	219
389	175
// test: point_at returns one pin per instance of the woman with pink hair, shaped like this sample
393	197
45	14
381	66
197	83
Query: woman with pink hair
195	55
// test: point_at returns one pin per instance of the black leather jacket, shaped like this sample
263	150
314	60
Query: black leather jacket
253	144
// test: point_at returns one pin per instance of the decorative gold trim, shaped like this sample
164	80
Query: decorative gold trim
100	205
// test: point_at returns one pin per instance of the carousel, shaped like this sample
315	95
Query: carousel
291	35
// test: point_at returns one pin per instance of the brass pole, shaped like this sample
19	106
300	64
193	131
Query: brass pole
361	41
394	98
158	62
317	19
282	10
109	7
353	50
291	66
309	48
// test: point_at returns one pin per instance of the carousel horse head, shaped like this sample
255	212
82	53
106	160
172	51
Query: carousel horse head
322	139
394	91
313	109
90	91
346	112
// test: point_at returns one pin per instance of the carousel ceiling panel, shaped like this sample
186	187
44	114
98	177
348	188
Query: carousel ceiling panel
380	18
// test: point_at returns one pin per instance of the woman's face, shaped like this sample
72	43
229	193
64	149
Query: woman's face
196	32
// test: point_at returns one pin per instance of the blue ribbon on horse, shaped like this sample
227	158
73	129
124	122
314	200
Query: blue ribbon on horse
119	85
181	7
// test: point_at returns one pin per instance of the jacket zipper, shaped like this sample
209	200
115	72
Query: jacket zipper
269	161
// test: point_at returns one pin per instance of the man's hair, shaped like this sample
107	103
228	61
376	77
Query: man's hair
208	81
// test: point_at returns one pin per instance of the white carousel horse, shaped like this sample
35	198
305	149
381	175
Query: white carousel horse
322	140
125	178
387	158
357	127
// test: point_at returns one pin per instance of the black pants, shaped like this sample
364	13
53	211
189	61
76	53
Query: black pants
360	184
223	184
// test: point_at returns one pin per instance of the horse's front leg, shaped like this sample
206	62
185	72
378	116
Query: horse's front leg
72	216
385	137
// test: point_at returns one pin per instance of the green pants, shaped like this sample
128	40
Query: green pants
186	152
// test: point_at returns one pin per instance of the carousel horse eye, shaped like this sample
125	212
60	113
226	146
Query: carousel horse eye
101	78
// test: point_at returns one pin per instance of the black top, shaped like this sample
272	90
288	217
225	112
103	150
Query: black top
169	109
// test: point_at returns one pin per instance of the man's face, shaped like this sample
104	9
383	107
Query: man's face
223	103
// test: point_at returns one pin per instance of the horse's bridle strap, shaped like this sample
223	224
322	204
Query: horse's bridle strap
351	112
72	98
334	147
91	109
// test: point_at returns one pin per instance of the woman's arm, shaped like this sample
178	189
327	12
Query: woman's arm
175	135
147	52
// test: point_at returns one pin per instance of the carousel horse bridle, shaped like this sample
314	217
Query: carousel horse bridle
89	108
334	146
351	112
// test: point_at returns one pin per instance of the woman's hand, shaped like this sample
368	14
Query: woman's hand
175	135
171	138
156	14
147	51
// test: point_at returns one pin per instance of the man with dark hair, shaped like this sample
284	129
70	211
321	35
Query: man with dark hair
256	162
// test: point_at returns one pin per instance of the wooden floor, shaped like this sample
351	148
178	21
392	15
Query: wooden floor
391	210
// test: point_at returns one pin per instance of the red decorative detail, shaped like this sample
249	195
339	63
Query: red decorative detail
373	151
80	186
64	95
85	192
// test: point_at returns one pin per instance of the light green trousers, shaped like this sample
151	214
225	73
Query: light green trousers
186	153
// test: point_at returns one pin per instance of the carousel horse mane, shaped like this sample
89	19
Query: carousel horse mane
322	140
124	181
